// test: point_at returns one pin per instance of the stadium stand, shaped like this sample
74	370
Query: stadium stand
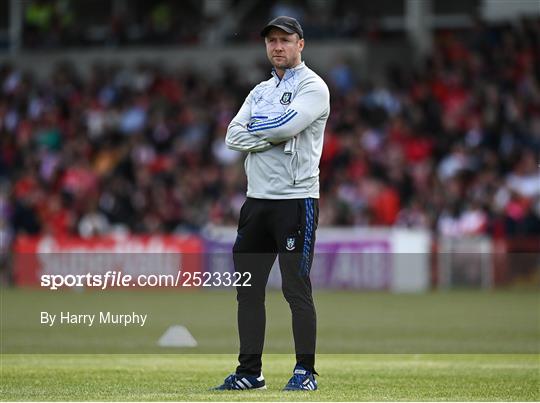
452	145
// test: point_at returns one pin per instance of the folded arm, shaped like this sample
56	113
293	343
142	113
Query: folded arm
310	102
238	137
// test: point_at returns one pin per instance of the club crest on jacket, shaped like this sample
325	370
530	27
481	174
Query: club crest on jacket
286	98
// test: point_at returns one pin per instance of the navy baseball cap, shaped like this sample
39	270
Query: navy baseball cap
288	24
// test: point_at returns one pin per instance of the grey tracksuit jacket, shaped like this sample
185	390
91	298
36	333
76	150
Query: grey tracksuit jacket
281	126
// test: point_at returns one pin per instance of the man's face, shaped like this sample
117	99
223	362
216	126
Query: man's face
283	49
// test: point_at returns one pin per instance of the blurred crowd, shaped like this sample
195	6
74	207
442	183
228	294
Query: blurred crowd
451	146
51	24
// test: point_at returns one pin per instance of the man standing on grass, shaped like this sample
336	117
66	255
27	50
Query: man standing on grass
281	127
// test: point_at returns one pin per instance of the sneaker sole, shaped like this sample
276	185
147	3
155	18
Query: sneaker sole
240	390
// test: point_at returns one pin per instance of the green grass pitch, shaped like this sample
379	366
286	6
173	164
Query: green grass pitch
343	378
464	345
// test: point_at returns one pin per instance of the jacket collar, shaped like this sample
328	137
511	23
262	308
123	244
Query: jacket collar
289	73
